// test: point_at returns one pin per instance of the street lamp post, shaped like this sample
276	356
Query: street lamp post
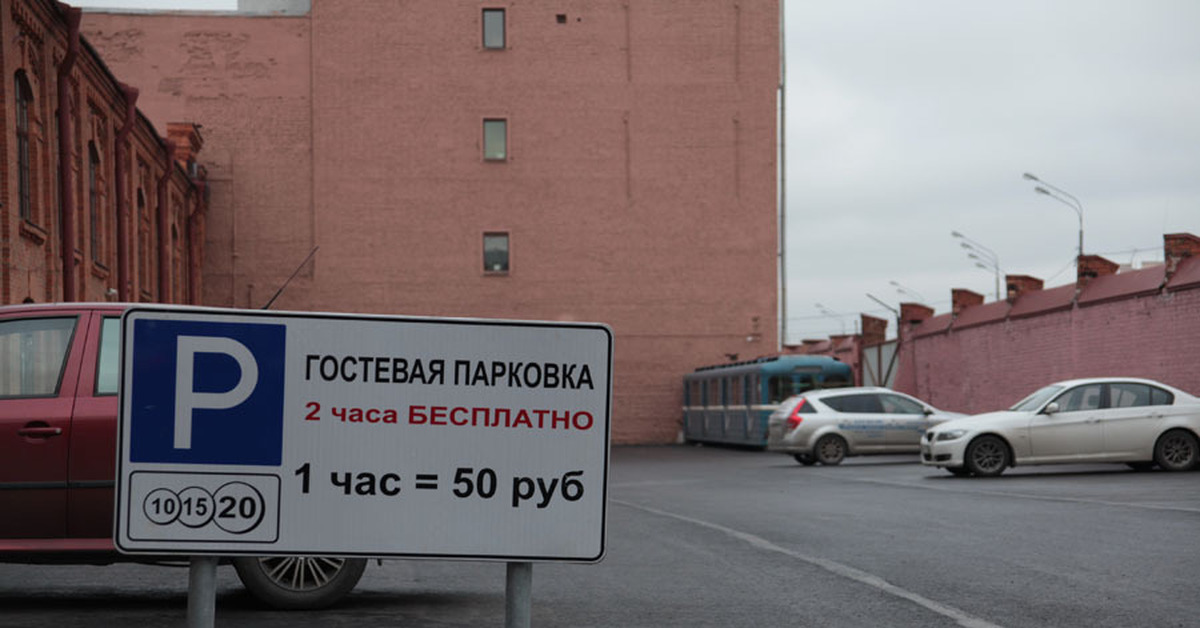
1061	196
827	312
907	291
984	257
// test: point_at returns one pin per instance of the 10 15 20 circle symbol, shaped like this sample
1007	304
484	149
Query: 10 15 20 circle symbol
196	507
161	506
239	507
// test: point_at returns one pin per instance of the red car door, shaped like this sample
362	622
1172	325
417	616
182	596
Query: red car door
40	355
92	466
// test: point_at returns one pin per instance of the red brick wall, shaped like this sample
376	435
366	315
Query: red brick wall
640	189
247	81
27	37
990	367
33	39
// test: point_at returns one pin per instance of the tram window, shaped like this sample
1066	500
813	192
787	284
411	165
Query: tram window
694	396
836	381
714	392
779	387
804	382
735	390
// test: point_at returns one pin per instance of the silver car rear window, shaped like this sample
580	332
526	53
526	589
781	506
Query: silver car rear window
866	403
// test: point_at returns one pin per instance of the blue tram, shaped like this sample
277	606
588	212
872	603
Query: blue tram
730	403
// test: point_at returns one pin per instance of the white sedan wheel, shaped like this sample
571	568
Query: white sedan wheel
1176	450
987	456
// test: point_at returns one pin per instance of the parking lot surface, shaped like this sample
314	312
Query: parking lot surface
704	536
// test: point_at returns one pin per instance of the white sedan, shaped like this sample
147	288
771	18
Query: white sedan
1139	422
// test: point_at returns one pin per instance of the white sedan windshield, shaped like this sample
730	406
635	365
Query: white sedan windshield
1034	401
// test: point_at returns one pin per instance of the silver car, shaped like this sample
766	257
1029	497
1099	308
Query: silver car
825	426
1139	422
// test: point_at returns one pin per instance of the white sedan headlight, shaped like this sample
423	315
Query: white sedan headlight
951	434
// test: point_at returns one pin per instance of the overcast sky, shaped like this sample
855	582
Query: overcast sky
907	120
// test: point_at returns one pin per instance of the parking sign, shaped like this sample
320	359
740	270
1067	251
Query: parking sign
244	432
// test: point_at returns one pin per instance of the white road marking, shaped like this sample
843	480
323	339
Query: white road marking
834	567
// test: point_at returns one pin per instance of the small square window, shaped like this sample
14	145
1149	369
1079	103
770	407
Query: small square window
493	29
495	252
495	140
561	17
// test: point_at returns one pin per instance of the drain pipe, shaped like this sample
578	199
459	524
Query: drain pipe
72	15
122	151
164	244
192	230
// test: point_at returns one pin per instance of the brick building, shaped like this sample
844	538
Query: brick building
87	184
602	161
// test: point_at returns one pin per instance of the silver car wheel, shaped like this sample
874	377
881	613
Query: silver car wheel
1176	450
301	573
830	449
987	456
299	582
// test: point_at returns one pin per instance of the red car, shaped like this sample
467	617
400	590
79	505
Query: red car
59	371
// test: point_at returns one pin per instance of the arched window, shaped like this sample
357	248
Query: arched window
24	100
94	199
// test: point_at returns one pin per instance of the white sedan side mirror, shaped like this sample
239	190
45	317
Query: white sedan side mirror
1051	409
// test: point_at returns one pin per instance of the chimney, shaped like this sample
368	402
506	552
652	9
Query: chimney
1020	284
1091	266
914	313
874	330
911	315
963	299
1178	247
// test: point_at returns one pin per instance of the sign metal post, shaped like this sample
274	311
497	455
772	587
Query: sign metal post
518	590
202	592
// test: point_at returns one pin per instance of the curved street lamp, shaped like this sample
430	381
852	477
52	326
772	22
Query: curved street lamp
984	257
901	289
1061	196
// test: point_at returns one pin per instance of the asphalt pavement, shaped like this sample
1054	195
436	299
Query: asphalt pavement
707	536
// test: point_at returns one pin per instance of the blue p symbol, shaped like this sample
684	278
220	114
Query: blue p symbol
187	399
207	391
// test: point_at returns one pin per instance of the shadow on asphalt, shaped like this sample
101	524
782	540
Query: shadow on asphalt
850	463
230	601
1033	472
72	601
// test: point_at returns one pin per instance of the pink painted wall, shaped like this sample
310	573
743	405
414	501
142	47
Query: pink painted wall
639	192
992	366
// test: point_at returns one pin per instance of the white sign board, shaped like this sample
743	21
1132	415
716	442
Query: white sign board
249	432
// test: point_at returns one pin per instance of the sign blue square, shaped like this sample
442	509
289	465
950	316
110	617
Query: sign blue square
207	392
